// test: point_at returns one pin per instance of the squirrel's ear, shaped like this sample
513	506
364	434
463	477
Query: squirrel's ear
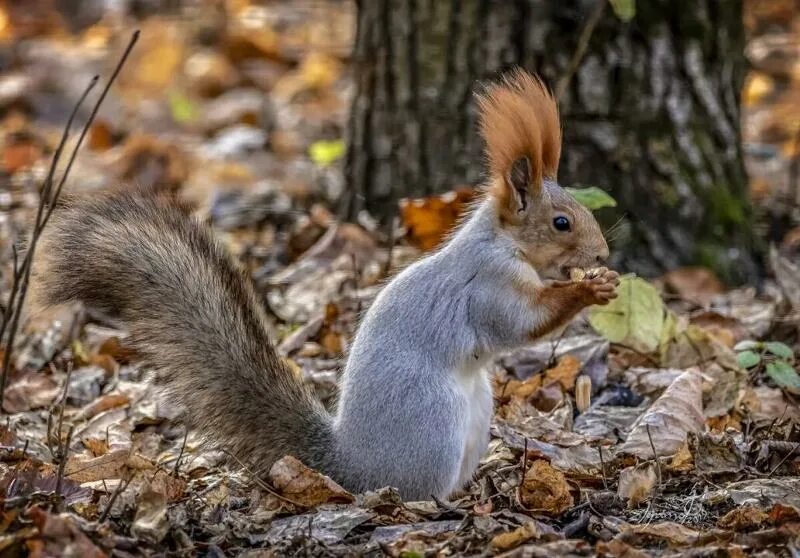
521	185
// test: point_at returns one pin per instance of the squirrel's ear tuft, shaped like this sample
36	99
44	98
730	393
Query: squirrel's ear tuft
519	184
519	122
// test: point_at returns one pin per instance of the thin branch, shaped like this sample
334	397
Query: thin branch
49	199
655	455
123	484
580	49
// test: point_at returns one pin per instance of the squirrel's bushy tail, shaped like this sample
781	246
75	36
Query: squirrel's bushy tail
192	315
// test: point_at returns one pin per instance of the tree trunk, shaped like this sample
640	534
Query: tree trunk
650	111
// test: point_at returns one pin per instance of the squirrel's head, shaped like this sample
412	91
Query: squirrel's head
521	128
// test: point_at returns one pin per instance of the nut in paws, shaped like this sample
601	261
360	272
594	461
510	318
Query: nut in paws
600	285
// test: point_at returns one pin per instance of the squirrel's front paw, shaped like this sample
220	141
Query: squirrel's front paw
600	285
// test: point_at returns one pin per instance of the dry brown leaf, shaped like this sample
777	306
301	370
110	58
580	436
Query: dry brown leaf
109	466
100	136
743	518
20	153
512	539
545	489
57	533
617	549
565	372
637	483
429	220
151	522
102	404
548	397
695	284
672	533
31	391
682	461
96	446
670	418
305	486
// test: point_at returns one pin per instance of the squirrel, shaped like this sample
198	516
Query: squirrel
415	398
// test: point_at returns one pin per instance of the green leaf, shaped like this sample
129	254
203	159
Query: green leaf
748	359
592	198
635	318
326	152
784	374
182	108
624	9
779	349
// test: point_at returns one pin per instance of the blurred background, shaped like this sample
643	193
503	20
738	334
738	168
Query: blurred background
267	114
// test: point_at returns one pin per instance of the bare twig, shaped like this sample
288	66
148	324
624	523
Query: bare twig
120	488
90	120
48	199
63	464
602	467
180	455
580	49
260	482
785	457
63	406
655	455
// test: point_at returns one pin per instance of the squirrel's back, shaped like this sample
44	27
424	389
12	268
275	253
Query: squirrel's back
193	316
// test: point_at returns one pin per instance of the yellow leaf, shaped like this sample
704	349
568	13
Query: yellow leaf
757	87
325	153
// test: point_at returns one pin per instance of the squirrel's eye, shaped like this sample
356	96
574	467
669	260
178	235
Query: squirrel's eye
561	223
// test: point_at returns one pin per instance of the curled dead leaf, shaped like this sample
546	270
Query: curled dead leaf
637	483
565	372
305	486
669	419
545	489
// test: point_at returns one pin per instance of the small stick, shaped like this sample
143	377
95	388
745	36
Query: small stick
48	198
120	488
63	406
180	455
602	466
785	457
655	455
63	465
260	482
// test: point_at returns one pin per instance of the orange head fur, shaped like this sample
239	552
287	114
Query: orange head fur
520	125
519	118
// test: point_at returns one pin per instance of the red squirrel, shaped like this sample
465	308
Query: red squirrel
416	400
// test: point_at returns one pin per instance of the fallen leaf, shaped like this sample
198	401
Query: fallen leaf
429	220
743	518
150	522
57	534
672	533
670	418
695	284
634	319
326	152
565	372
512	539
301	484
31	391
637	483
545	489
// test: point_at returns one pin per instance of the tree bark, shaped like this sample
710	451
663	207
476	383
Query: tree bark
650	111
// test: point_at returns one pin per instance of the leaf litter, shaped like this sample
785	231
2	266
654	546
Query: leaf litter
640	430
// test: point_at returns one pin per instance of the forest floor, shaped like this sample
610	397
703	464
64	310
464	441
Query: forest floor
687	446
